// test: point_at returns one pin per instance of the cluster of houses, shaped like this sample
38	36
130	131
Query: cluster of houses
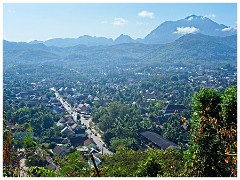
84	108
155	140
87	146
74	134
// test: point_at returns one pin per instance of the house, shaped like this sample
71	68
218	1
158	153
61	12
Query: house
50	163
174	109
81	97
49	159
83	149
61	122
67	132
96	99
77	141
60	150
149	96
23	95
16	100
52	166
56	140
70	121
79	130
65	141
31	103
53	100
70	98
157	140
75	127
90	143
84	108
57	109
45	100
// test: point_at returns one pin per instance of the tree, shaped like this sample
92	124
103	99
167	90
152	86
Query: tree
117	142
36	160
28	142
228	128
73	165
213	115
123	163
168	163
151	167
10	158
172	129
118	120
35	171
47	121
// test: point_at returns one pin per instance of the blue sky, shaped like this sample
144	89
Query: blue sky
26	22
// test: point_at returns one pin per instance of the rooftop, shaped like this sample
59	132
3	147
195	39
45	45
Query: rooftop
158	140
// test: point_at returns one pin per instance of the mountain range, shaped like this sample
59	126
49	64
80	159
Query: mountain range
190	47
166	32
194	39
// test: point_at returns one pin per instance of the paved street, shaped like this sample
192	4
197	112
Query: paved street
91	133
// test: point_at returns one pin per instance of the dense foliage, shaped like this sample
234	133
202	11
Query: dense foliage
212	148
73	165
213	145
129	163
120	124
116	80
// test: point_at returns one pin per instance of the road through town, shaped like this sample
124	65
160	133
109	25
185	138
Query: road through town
96	137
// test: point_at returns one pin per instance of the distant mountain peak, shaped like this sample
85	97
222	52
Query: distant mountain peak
169	31
85	36
124	36
123	39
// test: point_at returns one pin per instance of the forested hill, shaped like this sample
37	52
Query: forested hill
187	48
197	47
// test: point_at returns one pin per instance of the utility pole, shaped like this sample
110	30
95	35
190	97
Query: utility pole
95	166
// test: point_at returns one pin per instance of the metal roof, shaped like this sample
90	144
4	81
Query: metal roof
158	140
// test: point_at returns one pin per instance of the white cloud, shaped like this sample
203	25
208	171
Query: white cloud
229	29
210	15
186	30
191	18
146	14
49	38
119	22
28	41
